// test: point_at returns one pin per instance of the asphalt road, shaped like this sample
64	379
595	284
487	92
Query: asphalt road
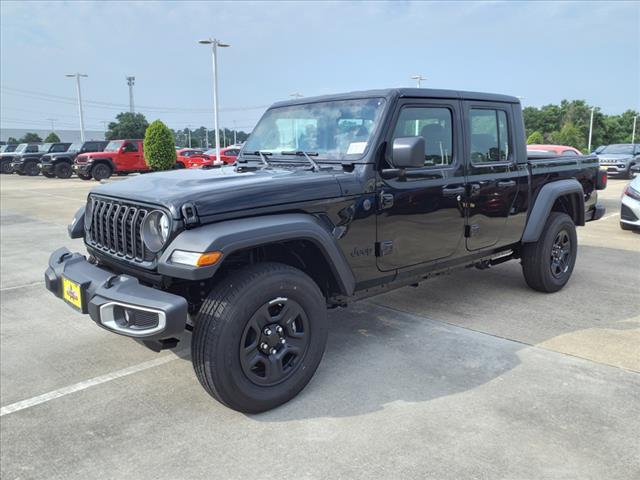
471	375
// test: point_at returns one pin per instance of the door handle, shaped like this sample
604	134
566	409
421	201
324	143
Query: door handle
452	192
506	184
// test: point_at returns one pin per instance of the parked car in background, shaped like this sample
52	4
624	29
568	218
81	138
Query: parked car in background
620	158
8	148
228	155
27	163
61	164
119	156
553	149
630	206
598	150
7	158
192	158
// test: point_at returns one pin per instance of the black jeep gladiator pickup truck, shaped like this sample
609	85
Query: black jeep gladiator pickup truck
332	199
61	165
27	163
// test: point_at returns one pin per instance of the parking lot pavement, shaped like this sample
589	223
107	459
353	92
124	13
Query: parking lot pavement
470	375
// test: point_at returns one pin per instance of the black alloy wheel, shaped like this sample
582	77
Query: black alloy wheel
101	171
275	342
31	169
561	254
63	170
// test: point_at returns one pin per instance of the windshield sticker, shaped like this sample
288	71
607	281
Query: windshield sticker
356	148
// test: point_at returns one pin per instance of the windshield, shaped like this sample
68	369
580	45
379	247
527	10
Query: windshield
113	145
618	149
21	147
75	147
334	130
44	147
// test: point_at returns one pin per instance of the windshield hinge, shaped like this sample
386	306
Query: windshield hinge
190	215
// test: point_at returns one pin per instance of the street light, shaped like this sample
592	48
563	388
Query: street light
633	133
53	121
215	43
78	75
418	79
590	129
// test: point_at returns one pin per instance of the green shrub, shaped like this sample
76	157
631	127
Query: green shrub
159	147
52	138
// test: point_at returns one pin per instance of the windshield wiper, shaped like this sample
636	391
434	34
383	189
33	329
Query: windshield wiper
307	155
261	154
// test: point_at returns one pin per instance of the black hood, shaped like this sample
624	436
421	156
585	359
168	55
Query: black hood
221	190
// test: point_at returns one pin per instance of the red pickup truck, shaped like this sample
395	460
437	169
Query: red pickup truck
119	156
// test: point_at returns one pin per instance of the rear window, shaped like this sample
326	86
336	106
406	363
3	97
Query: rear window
489	136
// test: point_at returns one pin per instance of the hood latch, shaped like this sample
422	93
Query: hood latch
190	215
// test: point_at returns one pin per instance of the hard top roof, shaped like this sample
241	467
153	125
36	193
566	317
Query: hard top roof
403	93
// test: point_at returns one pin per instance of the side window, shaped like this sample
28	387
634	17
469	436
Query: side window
91	147
129	147
31	148
434	125
59	148
569	153
489	136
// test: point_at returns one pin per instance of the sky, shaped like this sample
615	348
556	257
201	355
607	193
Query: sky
543	52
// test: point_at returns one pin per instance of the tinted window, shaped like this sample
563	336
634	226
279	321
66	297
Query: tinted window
489	136
569	152
618	149
59	148
130	147
434	125
31	148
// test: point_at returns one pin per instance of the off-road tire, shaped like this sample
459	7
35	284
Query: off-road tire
5	167
537	258
63	170
219	335
101	171
31	168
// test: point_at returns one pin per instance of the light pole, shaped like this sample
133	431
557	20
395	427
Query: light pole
590	129
418	79
104	127
78	75
215	43
189	130
131	81
235	133
633	133
53	122
206	135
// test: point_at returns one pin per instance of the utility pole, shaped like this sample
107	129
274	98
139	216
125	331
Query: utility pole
104	127
189	129
206	135
131	81
418	79
633	133
235	133
77	77
53	122
590	129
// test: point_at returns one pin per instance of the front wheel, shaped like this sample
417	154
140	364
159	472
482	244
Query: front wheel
31	169
101	171
547	264
5	167
259	336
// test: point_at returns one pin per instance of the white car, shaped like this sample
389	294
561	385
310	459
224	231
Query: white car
630	209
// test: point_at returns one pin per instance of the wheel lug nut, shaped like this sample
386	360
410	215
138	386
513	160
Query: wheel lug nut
273	351
279	329
264	346
267	331
283	341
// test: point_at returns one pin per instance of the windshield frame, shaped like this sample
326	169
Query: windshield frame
276	156
120	143
628	149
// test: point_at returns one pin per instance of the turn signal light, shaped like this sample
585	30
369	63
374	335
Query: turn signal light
208	258
195	259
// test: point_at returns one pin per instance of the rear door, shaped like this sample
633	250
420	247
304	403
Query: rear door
493	176
129	158
420	216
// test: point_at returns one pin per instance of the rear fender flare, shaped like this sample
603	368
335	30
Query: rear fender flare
233	235
549	193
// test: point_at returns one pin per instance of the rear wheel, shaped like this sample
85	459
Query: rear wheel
547	264
31	169
101	171
259	337
63	170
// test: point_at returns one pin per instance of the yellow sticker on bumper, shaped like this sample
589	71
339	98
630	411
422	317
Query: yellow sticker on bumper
71	293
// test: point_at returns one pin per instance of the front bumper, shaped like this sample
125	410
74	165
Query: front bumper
117	302
615	168
46	168
630	211
82	168
17	167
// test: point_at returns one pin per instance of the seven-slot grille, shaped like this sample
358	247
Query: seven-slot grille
116	228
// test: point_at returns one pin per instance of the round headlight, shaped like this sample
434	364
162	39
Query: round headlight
155	230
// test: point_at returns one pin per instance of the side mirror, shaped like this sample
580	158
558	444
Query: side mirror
408	152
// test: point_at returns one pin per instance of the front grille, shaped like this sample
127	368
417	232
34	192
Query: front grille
116	228
627	214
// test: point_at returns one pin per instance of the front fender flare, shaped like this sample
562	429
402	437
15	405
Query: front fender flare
547	196
233	235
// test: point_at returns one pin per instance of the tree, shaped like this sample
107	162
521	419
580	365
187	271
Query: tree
127	125
159	147
569	135
535	137
12	141
52	138
30	138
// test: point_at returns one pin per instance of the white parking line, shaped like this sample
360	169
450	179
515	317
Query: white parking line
61	392
26	285
611	215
